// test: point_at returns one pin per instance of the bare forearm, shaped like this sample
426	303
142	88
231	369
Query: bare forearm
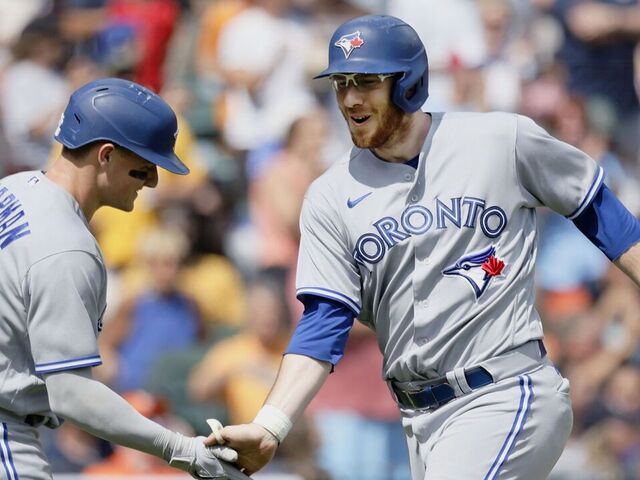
629	263
298	381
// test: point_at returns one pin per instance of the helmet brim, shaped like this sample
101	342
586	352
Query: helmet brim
169	161
363	66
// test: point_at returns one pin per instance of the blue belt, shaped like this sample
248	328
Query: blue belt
439	392
431	394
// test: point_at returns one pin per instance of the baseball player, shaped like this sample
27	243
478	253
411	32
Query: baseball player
52	289
427	234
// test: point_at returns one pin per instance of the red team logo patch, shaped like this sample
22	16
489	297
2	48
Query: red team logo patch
348	43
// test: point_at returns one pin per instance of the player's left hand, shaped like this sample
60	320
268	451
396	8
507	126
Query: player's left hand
255	445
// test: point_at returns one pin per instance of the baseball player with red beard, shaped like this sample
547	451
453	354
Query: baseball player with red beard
427	234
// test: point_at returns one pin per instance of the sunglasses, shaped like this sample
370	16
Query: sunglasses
362	81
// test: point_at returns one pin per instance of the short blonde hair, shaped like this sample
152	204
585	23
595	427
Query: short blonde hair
163	242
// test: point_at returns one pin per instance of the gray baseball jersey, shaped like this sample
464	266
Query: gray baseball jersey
52	291
439	260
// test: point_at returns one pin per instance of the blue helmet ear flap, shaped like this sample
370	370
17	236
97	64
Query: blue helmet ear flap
412	89
382	44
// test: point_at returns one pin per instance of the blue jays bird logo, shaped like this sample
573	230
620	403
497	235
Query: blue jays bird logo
477	268
348	43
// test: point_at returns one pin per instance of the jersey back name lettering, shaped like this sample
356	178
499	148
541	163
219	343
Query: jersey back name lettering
13	224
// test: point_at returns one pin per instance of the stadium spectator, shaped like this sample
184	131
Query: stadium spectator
276	195
159	319
33	93
240	369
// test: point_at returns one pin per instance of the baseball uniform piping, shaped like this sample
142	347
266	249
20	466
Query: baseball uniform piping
526	397
5	454
597	181
91	361
326	293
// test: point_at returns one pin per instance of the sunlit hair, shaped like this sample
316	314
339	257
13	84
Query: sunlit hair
163	242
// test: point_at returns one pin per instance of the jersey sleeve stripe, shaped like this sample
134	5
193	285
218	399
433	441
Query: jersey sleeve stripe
326	293
69	364
591	193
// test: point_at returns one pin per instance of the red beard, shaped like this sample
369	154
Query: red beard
392	125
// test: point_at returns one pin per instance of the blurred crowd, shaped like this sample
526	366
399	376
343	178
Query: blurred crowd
201	295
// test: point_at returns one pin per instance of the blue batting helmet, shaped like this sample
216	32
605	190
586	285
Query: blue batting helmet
382	44
125	113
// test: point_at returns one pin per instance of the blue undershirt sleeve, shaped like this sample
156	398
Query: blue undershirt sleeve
608	224
323	329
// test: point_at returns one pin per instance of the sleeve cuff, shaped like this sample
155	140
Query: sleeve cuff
591	193
330	294
71	364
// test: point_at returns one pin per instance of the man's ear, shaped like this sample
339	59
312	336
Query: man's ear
104	153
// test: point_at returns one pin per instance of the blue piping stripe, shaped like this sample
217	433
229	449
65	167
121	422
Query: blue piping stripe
526	397
513	426
2	456
13	467
68	364
7	461
597	181
89	357
326	293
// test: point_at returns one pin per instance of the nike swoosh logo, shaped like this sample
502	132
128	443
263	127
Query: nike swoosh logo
356	201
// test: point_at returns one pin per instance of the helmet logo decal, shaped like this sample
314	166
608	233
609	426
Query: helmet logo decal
348	43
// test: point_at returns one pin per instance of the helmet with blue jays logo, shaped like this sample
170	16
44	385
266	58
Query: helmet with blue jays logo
125	113
382	44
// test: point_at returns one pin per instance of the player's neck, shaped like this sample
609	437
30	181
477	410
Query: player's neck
79	181
407	144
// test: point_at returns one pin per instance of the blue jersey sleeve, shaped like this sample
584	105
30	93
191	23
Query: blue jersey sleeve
323	329
608	224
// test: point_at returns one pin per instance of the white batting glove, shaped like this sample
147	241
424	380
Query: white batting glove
230	471
216	427
191	455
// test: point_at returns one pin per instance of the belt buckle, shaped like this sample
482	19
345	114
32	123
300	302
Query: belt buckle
426	391
422	399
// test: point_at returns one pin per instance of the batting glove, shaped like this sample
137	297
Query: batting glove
191	455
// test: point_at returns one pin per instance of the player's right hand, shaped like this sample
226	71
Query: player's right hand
255	445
